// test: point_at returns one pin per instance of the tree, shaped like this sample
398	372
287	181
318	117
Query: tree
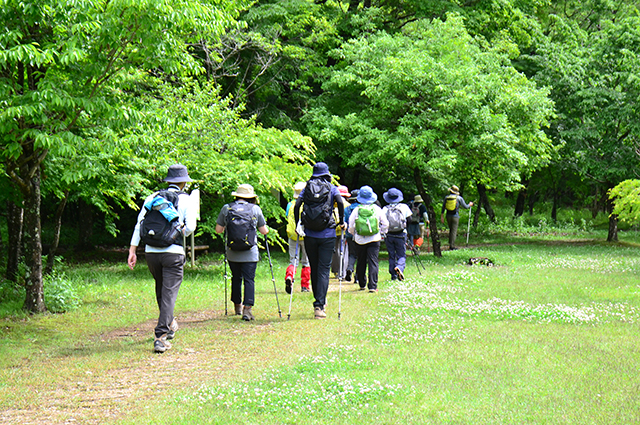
61	67
626	199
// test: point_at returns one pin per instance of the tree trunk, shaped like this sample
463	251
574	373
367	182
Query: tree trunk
484	202
532	200
613	223
520	202
34	301
476	216
51	256
433	220
554	209
85	226
14	235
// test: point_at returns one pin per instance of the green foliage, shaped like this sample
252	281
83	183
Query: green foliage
60	294
626	197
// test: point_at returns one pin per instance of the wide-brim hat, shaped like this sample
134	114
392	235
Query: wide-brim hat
344	191
454	190
393	196
417	199
298	188
320	169
244	191
177	173
367	196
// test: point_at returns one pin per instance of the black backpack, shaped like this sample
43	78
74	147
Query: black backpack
241	227
317	210
155	229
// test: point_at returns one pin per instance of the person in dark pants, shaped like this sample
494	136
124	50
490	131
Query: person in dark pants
398	215
166	263
319	230
368	243
243	262
451	204
353	200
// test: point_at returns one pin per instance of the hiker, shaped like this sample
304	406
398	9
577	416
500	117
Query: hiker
367	223
417	223
336	268
295	239
398	215
351	245
240	219
319	230
451	204
167	216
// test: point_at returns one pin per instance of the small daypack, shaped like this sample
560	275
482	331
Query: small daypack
241	226
367	221
451	202
156	229
317	208
415	213
397	219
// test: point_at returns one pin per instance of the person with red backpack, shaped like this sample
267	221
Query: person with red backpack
239	221
297	251
451	204
367	224
398	215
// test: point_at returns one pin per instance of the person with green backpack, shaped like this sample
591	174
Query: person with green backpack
367	224
451	204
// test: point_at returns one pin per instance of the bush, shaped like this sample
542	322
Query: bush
59	293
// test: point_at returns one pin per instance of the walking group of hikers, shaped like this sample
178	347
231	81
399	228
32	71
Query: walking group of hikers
330	230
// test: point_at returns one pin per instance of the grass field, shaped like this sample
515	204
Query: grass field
550	335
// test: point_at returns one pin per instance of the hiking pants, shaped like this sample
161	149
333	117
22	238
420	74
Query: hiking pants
240	272
335	260
167	270
452	221
352	254
319	251
397	253
368	256
303	261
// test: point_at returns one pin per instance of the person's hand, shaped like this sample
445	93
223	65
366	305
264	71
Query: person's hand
442	218
470	204
133	258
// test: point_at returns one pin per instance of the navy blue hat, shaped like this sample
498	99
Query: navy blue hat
320	169
177	173
366	195
393	196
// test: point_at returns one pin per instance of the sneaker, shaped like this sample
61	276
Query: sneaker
372	291
173	327
319	313
399	274
246	314
304	289
160	345
237	308
362	288
287	285
347	276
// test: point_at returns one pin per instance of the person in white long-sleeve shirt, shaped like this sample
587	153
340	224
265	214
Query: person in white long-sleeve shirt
166	263
368	246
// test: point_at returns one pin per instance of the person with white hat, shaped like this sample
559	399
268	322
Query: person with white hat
239	220
296	241
451	205
166	262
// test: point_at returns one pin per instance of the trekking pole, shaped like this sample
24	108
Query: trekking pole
415	260
273	279
340	271
469	226
295	265
225	271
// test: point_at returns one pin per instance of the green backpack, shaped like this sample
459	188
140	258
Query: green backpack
367	221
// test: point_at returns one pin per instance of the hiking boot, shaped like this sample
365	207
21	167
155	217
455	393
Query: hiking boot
246	313
237	309
305	289
319	313
173	327
347	276
373	291
362	288
160	345
288	279
399	274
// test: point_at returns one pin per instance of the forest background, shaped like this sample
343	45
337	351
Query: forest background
529	104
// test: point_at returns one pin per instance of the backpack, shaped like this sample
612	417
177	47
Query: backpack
317	209
367	221
397	219
451	202
241	227
156	229
415	213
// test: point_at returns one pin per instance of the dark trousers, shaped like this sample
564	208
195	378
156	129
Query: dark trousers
352	254
319	251
396	247
452	221
240	272
167	271
368	256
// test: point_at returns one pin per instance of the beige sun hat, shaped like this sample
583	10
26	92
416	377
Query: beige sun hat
417	199
244	191
454	190
298	188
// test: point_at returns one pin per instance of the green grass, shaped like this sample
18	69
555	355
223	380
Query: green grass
550	335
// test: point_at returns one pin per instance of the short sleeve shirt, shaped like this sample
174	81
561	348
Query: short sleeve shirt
251	255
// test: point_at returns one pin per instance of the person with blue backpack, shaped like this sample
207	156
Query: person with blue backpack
239	221
398	215
367	224
451	205
319	230
165	218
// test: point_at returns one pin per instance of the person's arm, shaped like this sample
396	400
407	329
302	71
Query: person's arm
340	209
463	204
296	208
262	223
384	221
221	222
263	229
135	240
189	211
352	221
